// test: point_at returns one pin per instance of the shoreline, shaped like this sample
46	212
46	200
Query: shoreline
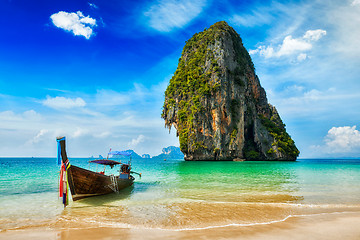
337	225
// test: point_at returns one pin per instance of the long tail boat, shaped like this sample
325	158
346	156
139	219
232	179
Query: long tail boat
84	183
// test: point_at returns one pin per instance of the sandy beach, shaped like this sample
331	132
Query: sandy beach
319	226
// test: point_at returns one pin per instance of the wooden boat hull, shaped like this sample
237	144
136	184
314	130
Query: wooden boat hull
84	183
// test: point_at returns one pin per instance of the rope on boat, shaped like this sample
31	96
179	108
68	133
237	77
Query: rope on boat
114	183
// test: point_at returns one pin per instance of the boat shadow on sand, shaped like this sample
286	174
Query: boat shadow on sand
104	199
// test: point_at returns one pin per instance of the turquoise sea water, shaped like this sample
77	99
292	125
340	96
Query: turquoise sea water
175	194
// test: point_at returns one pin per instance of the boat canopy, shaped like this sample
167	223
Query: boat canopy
124	153
111	163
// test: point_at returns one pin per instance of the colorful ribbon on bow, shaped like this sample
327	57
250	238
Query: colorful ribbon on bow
64	184
63	181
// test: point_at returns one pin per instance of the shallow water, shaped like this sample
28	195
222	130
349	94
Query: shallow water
175	194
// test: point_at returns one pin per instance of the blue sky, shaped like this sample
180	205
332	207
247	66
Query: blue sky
96	71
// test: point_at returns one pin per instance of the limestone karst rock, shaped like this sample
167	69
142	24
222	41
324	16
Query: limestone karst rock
216	103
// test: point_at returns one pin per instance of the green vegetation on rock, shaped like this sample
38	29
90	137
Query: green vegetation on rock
282	139
192	81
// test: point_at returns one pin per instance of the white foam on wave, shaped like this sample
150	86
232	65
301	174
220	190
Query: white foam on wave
131	226
280	204
261	223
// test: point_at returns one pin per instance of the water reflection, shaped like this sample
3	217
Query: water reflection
238	181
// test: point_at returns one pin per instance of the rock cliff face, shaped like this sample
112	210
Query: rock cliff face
216	103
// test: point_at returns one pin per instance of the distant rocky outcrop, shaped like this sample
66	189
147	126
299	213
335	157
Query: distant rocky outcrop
170	153
134	155
217	105
145	156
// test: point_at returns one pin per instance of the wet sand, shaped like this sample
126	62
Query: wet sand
342	226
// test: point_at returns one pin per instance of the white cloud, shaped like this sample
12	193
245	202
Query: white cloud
302	57
169	14
76	23
253	51
314	35
291	46
342	140
63	103
39	136
355	2
93	5
134	142
267	52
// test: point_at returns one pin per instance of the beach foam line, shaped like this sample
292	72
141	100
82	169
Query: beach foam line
255	224
30	224
234	225
330	205
130	226
190	200
282	204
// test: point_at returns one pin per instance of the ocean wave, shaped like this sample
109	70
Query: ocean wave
257	223
101	223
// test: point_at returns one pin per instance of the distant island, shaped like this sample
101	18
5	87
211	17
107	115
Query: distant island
217	105
170	152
